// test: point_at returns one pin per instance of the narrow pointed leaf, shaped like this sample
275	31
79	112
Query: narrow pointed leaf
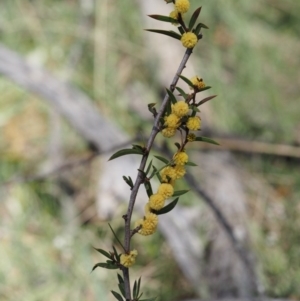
171	33
193	108
135	290
123	152
208	140
151	108
177	145
162	159
203	25
116	237
148	188
117	296
182	93
149	167
139	286
127	180
106	254
137	146
194	18
181	30
186	80
168	110
120	279
168	208
105	265
157	174
205	100
203	89
116	254
163	18
191	164
122	289
171	96
180	192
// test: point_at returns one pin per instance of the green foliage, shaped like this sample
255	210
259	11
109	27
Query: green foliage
124	152
167	208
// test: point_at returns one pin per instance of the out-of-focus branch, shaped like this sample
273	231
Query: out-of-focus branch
255	147
69	101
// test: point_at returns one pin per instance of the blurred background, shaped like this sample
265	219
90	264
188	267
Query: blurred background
50	176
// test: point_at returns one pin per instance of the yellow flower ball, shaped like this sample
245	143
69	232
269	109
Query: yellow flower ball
180	158
194	123
180	108
189	40
156	201
182	6
149	224
166	190
168	132
174	15
180	171
168	173
127	260
172	121
197	82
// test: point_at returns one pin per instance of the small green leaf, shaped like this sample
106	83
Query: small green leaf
171	96
191	164
105	265
139	286
208	140
116	254
181	30
177	145
168	110
193	108
194	18
122	289
149	167
203	89
117	296
128	181
148	187
120	279
151	108
205	100
180	192
182	93
137	146
167	208
116	237
163	18
157	174
203	25
135	290
106	254
151	299
171	33
162	159
186	80
123	152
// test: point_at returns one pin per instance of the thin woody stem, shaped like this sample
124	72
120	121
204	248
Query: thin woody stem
140	177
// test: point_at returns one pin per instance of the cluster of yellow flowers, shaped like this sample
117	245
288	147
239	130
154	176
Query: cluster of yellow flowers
165	190
156	202
128	260
188	39
174	120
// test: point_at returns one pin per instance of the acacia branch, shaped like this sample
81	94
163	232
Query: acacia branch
140	176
